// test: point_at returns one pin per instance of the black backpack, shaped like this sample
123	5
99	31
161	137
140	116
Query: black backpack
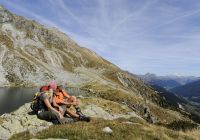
36	103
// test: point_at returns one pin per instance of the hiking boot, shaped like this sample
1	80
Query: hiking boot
79	113
84	118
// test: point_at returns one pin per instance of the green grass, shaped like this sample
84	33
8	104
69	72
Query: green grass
1	120
121	131
4	39
119	96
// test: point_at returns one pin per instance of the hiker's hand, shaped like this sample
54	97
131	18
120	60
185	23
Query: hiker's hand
78	102
65	100
73	103
60	109
61	116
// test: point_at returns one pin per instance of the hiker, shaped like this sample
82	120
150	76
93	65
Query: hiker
61	98
47	112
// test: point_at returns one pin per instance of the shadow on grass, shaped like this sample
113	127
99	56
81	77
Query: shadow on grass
182	125
32	113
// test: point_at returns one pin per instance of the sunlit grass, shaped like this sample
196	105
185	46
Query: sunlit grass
122	130
1	120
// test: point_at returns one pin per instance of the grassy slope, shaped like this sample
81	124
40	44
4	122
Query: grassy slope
137	130
1	120
165	116
121	130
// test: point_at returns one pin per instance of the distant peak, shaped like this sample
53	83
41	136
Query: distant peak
2	8
5	15
150	74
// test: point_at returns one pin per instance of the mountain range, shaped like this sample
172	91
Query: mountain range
167	82
191	91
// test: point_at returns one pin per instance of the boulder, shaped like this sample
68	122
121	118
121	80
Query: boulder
107	130
50	139
93	110
148	116
21	120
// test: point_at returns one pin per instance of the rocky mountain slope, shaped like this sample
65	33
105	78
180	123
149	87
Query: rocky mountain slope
33	55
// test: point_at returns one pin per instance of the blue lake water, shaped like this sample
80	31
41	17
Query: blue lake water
12	98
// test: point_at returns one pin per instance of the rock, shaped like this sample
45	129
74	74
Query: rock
150	118
181	106
146	110
96	111
50	139
127	122
148	115
131	123
20	121
5	16
107	130
93	110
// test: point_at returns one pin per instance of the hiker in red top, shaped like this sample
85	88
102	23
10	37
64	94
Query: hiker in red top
61	98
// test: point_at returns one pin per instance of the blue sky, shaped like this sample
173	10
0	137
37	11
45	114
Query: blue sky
156	36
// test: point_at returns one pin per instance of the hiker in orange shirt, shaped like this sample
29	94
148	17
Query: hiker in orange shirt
61	98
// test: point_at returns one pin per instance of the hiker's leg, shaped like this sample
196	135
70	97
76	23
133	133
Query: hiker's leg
78	113
77	101
47	115
50	116
64	107
72	113
77	106
73	99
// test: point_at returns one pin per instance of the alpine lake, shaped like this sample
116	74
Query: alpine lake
11	98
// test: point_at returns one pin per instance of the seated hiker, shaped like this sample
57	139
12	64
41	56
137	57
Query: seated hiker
47	112
66	101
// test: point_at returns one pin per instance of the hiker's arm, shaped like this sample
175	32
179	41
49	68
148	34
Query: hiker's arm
59	101
46	101
65	94
69	103
56	105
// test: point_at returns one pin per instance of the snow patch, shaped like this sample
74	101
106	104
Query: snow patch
180	106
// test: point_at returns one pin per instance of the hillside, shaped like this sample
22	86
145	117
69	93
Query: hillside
191	91
32	55
171	97
168	82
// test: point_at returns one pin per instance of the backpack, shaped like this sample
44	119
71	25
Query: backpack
36	103
44	88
